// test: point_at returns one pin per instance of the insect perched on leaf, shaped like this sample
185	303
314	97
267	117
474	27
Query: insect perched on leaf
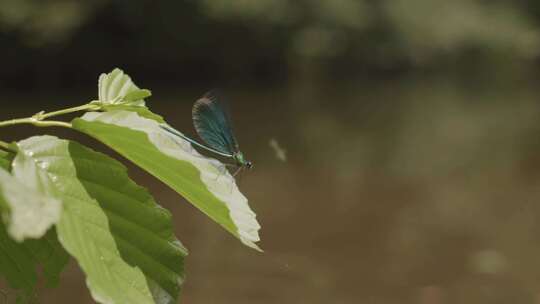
212	123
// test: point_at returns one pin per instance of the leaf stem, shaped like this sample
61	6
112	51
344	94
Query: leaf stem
89	106
35	122
4	145
38	119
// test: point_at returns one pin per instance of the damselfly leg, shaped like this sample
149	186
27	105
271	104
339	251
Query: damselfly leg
238	170
222	170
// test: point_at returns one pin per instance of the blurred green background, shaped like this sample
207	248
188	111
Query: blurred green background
411	130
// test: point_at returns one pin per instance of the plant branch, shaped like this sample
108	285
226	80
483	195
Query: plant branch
35	122
39	119
86	107
4	145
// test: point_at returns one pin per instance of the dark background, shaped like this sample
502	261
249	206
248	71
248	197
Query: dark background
411	129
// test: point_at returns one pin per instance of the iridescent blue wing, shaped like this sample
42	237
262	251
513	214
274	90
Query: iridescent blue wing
213	125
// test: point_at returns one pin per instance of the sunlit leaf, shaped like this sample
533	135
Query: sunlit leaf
116	87
202	181
137	95
18	261
28	194
142	111
120	237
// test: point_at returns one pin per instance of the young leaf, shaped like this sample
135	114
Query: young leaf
137	95
18	261
116	87
28	194
142	111
202	181
120	237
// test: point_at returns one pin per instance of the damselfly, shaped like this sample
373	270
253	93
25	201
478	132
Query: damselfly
212	122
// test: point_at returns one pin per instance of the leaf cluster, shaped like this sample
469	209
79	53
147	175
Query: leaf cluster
60	199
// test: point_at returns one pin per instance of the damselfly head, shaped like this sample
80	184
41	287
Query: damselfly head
241	161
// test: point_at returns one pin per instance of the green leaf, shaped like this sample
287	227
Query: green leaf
116	87
137	95
5	163
142	111
120	237
28	194
202	181
5	159
18	261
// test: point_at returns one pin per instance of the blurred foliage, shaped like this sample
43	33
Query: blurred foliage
413	27
45	22
263	40
431	27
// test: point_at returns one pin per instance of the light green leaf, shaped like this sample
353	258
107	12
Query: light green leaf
28	194
137	95
142	111
5	159
120	237
116	87
202	181
5	163
18	261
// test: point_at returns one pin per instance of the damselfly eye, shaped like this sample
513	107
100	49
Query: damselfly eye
249	165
